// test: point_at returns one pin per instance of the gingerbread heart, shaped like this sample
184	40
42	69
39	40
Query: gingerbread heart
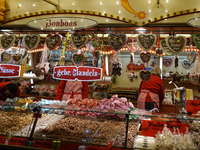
78	59
191	56
7	40
53	40
176	44
194	78
39	71
5	57
117	41
146	41
186	64
79	40
31	41
69	47
145	75
196	40
17	57
145	56
167	61
165	48
159	51
132	42
91	47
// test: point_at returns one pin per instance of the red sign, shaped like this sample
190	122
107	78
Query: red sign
80	73
2	139
151	128
36	115
9	71
193	106
17	141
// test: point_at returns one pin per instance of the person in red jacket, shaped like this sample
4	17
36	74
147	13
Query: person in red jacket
9	90
72	89
151	93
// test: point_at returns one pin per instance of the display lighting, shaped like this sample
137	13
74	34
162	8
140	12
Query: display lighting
117	3
100	3
33	5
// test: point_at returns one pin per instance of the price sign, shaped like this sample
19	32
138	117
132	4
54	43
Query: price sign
17	141
38	144
80	73
47	145
2	139
193	106
151	128
9	71
65	146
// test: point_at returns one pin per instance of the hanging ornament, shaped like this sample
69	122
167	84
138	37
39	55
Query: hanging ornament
167	61
6	56
196	40
145	56
194	77
53	40
31	41
146	41
132	44
117	41
176	77
158	49
93	44
132	76
65	43
79	40
78	58
100	61
165	48
7	40
116	65
145	75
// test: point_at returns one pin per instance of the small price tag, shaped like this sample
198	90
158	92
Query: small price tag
36	115
2	139
38	144
193	106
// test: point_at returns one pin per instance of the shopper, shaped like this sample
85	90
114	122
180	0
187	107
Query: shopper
72	89
151	93
9	90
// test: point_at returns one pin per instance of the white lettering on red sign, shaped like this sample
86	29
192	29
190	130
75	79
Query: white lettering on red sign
4	70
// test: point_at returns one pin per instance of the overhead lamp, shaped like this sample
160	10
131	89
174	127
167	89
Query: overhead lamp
5	30
140	30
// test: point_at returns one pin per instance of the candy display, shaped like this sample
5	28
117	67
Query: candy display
72	129
42	123
132	130
21	104
195	131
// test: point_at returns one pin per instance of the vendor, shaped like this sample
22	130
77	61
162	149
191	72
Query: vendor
151	93
72	89
9	90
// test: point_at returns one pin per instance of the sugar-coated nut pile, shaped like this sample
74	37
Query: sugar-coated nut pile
42	123
195	127
72	129
132	130
107	133
14	121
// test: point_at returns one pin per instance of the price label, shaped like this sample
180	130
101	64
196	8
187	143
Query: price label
193	106
17	141
151	128
47	145
2	139
38	144
64	146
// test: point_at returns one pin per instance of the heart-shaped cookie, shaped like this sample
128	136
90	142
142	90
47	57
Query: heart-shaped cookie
17	57
5	57
194	78
146	41
31	41
145	56
165	48
117	41
176	44
7	40
69	47
132	42
53	40
191	56
91	47
79	40
186	64
159	51
167	61
78	59
39	71
145	75
196	40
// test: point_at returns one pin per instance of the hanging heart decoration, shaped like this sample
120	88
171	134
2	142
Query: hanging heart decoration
146	41
69	46
78	58
129	44
31	41
159	51
7	40
53	40
176	44
145	56
91	46
165	48
39	71
186	64
145	75
5	57
17	57
79	40
196	40
117	41
95	57
194	78
191	56
167	61
176	77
